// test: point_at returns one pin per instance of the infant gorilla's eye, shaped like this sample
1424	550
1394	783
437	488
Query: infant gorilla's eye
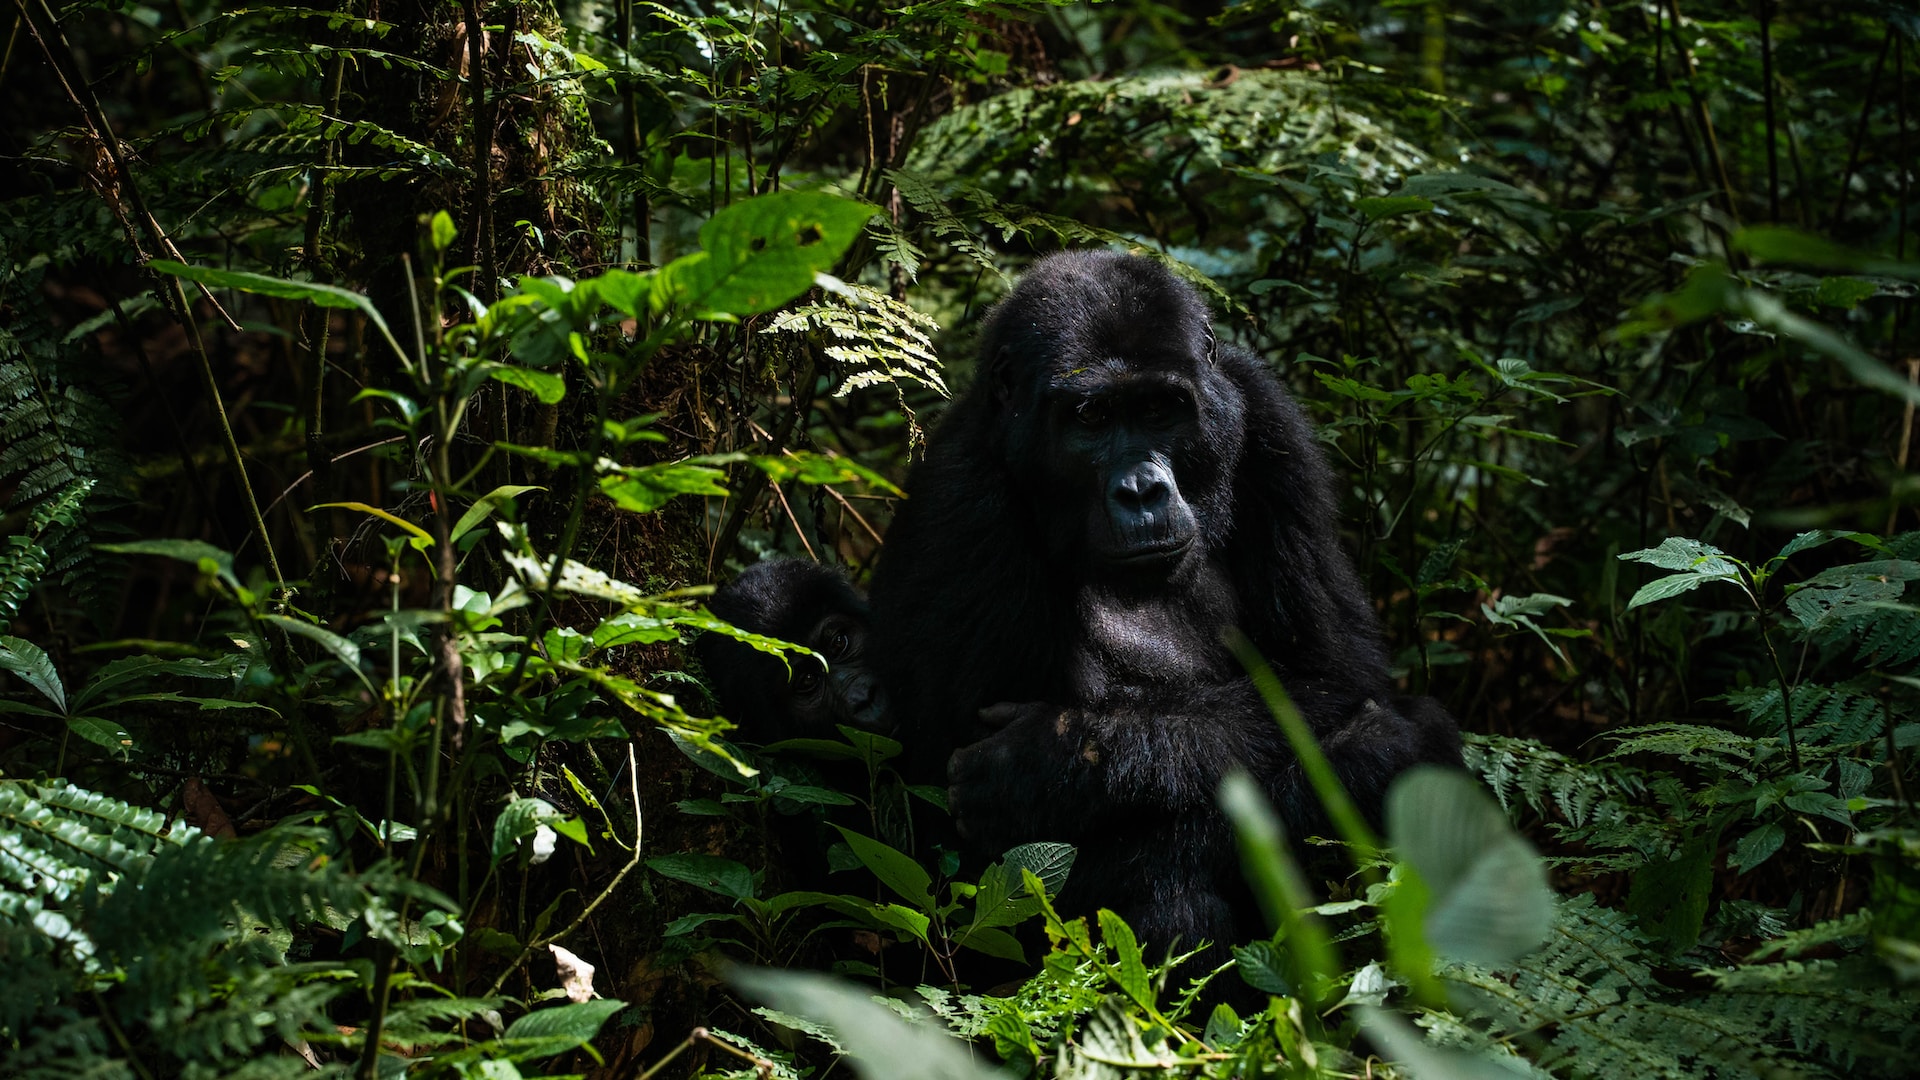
840	643
805	680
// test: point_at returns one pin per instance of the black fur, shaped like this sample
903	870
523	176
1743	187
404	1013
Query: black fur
809	605
1112	493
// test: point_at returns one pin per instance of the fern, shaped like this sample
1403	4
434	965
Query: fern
877	339
56	434
178	935
1606	805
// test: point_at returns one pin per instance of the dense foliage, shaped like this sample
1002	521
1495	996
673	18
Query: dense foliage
380	383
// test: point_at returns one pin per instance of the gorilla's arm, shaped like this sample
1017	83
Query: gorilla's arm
1155	761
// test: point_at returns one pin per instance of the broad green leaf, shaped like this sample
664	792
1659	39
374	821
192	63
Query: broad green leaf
1681	553
880	1044
1489	902
762	252
1263	967
31	663
895	870
1051	862
709	872
518	820
1757	846
643	489
102	732
1668	587
1670	897
1780	244
547	386
577	1022
993	942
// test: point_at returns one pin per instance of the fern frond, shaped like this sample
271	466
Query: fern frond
1842	1012
877	339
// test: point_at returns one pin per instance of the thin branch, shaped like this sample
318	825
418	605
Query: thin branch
633	778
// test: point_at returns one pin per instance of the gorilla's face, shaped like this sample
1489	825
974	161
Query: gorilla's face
1118	441
846	691
1115	420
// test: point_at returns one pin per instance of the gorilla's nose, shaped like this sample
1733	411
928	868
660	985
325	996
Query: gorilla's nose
1143	489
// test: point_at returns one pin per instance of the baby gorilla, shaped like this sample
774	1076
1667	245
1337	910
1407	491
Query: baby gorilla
807	604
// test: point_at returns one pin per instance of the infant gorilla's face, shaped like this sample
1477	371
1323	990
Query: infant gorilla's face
845	691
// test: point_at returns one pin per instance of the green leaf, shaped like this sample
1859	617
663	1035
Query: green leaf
418	538
1130	967
342	649
31	663
895	870
993	942
1779	244
1489	901
102	732
1051	862
1390	206
643	489
210	559
518	820
1757	846
1278	884
881	1045
485	505
443	230
1668	587
709	872
578	1022
1670	897
762	252
547	386
313	292
1263	967
1844	292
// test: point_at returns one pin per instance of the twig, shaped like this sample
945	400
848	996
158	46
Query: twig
1860	132
760	1065
633	777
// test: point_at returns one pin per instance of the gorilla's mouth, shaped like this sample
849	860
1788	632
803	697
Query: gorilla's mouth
1152	553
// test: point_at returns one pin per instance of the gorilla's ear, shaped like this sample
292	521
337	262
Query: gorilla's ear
999	375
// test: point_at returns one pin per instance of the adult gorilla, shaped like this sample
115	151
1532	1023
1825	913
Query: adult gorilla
1112	493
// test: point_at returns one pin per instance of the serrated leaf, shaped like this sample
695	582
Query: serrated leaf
1129	965
1667	587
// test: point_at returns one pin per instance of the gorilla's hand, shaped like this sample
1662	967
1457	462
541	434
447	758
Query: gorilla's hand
1009	787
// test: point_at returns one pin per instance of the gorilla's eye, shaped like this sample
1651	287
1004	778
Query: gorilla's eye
838	646
1092	413
804	681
